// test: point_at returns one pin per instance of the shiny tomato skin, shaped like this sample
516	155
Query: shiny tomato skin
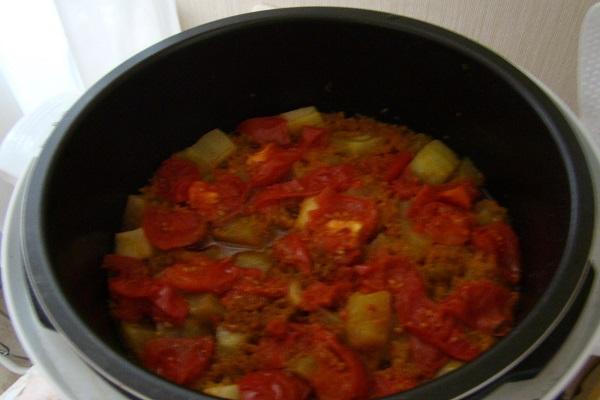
292	250
320	295
398	165
180	360
500	240
482	305
210	276
219	199
170	306
264	130
173	179
271	164
171	228
444	223
272	385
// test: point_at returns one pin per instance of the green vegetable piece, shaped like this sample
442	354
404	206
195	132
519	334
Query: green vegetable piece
133	244
369	318
247	230
205	307
229	342
300	117
434	163
210	150
253	259
231	392
136	335
468	171
132	217
350	143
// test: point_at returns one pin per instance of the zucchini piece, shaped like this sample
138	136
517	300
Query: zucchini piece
247	230
356	145
434	163
488	211
369	319
231	392
210	150
295	293
133	244
304	366
136	335
132	217
205	307
253	259
300	117
229	342
468	171
309	204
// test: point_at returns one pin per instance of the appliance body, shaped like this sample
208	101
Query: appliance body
437	101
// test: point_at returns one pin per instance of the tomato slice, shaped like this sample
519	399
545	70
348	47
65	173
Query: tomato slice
170	306
272	385
292	250
444	223
172	228
173	179
398	165
181	360
429	359
501	241
264	130
271	164
341	225
312	136
337	178
318	295
219	199
461	194
482	305
125	266
202	276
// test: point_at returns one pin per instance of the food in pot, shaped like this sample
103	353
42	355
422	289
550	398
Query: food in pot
312	255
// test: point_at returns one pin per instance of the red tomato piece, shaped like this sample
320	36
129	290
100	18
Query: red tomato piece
501	241
337	178
264	130
461	195
429	359
424	318
172	228
482	305
407	185
320	295
125	266
390	381
219	199
271	164
202	276
133	287
444	223
312	136
130	310
272	385
272	288
292	250
173	179
181	360
170	306
398	165
341	225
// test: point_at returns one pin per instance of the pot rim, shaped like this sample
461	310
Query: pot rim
504	355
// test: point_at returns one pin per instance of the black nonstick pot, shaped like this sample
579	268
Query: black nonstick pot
385	66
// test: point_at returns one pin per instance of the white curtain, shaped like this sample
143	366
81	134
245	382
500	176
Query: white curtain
51	51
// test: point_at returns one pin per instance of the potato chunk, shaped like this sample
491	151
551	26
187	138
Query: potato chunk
205	307
247	230
231	392
434	163
300	117
309	204
369	318
136	335
132	217
210	150
133	244
253	259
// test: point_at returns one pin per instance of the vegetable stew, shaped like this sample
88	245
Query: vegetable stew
312	255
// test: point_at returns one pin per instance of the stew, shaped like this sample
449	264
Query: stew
312	255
